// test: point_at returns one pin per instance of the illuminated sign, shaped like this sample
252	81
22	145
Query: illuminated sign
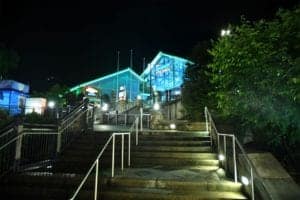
90	91
122	93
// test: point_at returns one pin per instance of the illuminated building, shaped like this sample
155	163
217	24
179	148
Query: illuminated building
13	96
125	80
164	75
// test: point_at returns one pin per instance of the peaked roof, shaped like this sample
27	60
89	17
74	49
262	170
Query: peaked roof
161	54
106	77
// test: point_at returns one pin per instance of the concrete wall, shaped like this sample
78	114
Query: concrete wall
173	111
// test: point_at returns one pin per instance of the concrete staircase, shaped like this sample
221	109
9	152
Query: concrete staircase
165	165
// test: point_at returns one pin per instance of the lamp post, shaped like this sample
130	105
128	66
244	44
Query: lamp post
51	105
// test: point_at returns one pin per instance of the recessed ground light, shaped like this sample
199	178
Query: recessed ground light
172	126
221	157
245	180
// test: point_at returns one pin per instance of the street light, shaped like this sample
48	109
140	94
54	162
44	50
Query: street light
156	106
51	104
225	32
105	107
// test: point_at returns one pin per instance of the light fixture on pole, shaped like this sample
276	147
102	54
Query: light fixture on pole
156	106
51	104
225	32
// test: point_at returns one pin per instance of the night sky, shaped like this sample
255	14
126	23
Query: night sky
76	41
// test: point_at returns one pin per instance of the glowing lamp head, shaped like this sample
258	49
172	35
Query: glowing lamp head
139	97
156	106
221	157
245	180
51	104
172	126
105	107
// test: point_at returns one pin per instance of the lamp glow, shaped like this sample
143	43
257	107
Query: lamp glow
221	157
245	180
51	104
156	106
105	107
139	97
172	126
225	32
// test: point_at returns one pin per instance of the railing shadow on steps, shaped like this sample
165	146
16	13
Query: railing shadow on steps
95	165
233	156
125	119
25	146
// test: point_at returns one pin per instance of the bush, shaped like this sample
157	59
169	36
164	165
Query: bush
35	118
4	118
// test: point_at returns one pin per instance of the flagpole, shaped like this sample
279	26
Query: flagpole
118	66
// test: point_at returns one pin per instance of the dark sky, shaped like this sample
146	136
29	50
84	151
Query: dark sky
75	41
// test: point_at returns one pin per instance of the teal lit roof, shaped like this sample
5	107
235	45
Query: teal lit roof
106	77
158	56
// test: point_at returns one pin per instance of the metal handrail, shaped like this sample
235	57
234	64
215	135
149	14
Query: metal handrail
16	139
210	124
7	132
96	162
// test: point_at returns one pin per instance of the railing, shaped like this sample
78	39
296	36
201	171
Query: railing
22	146
231	155
95	165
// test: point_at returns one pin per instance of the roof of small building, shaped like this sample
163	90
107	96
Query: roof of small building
106	77
14	85
161	54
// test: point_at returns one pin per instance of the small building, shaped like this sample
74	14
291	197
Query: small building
35	104
122	85
164	75
13	96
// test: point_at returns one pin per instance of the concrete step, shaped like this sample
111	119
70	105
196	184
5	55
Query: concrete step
152	162
179	186
143	142
173	138
174	133
159	194
135	151
141	156
147	149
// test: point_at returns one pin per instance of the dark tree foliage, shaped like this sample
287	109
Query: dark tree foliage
196	87
8	61
256	73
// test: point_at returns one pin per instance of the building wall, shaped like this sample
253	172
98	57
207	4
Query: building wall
13	101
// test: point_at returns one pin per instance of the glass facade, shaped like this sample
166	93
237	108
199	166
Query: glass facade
163	76
165	72
126	80
13	96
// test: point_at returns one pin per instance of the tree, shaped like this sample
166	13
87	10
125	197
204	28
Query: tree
196	87
56	93
8	60
256	73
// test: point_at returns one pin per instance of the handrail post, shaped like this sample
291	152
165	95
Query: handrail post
129	146
58	140
252	184
137	131
225	153
113	157
234	159
18	150
205	113
96	180
125	119
122	153
141	110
